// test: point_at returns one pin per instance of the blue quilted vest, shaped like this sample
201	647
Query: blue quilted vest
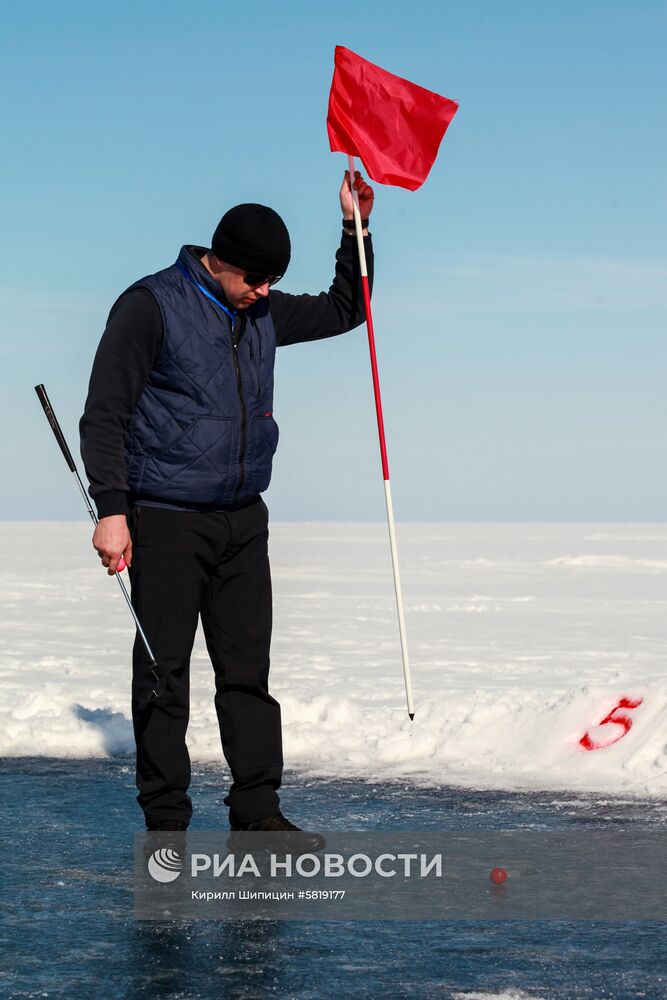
203	432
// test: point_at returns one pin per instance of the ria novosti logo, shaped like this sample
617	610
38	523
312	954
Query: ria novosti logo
165	865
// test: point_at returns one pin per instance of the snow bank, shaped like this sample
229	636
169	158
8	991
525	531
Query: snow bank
523	639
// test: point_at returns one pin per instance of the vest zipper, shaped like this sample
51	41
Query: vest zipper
244	412
255	367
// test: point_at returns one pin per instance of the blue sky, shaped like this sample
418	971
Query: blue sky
521	293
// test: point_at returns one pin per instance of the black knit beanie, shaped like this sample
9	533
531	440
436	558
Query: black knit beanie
253	237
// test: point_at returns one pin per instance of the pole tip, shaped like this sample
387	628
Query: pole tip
412	715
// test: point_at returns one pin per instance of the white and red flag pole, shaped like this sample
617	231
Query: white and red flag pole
383	443
396	128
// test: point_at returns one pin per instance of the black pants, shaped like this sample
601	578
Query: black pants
186	564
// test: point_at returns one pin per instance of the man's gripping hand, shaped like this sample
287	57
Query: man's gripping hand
112	540
365	192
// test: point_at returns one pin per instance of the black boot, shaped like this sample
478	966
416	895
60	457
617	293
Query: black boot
288	837
166	824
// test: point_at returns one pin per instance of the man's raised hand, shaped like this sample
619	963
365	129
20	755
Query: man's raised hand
365	192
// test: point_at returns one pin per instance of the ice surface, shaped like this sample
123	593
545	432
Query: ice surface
509	995
522	639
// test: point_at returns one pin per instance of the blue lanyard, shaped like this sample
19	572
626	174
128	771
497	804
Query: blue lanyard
181	267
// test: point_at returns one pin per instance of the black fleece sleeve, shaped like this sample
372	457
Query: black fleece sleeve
301	318
125	356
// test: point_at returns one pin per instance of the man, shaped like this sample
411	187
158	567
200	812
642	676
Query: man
178	438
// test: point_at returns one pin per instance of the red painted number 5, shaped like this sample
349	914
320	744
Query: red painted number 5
618	718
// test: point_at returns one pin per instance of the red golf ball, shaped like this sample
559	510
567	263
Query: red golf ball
498	875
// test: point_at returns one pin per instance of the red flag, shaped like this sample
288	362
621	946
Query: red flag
395	126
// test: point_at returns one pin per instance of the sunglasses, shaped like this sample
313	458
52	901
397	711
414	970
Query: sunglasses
261	279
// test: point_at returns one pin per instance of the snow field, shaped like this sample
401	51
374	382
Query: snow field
522	639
